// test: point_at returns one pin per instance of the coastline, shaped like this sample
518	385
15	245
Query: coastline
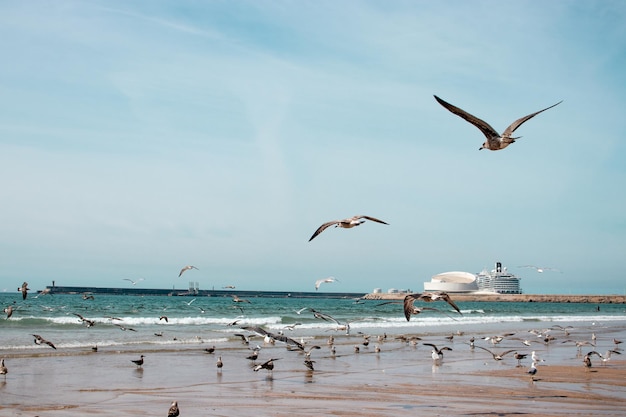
518	298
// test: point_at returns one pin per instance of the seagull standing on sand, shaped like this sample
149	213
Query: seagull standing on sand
325	280
138	362
219	364
532	371
3	369
24	289
173	411
345	224
495	141
186	268
519	357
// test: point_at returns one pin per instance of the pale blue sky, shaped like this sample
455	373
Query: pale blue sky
137	137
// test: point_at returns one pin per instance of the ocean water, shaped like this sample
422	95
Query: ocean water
213	320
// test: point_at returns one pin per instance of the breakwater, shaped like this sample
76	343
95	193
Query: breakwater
197	292
520	298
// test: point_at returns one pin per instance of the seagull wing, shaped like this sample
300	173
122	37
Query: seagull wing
483	126
506	352
448	300
408	305
372	219
509	130
431	345
322	228
485	349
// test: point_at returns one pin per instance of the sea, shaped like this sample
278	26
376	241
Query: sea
127	321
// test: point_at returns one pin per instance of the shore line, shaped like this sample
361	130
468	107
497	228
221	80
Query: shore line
519	298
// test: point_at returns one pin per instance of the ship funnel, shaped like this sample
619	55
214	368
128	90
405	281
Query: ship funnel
498	266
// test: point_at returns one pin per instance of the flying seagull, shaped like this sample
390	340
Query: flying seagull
496	356
428	297
540	269
24	289
40	340
9	311
495	141
87	322
345	223
133	282
321	281
186	268
282	338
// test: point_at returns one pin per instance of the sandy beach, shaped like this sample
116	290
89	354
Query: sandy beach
401	378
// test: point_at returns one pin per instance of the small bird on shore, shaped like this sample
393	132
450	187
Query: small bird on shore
535	358
3	369
40	341
345	224
138	362
173	411
495	141
587	359
185	269
519	357
209	349
24	289
219	364
532	371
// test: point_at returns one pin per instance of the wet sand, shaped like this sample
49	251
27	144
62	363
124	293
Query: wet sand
401	378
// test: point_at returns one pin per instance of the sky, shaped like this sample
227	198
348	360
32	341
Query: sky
137	137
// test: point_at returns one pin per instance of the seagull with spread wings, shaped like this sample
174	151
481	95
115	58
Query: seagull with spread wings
325	280
24	289
133	282
428	297
496	356
186	268
495	141
345	224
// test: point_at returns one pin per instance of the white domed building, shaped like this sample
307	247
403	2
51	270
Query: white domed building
451	282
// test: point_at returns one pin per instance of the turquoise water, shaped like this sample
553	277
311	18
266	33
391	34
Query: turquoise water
207	319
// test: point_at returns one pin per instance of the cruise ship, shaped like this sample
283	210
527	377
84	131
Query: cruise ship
498	280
